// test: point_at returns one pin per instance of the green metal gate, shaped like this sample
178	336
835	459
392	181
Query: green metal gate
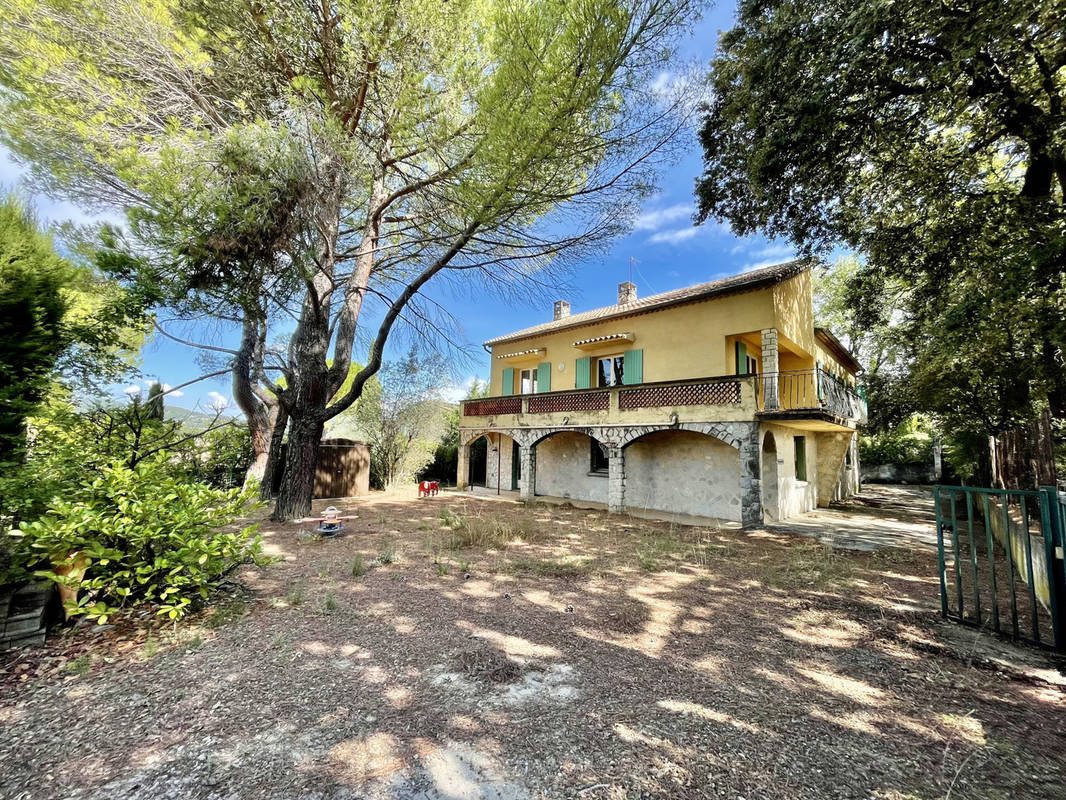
1001	561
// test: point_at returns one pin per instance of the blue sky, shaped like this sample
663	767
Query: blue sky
669	252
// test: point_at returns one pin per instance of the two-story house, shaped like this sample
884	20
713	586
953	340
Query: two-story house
718	400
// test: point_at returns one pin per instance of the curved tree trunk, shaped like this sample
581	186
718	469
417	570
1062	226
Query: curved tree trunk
274	464
301	462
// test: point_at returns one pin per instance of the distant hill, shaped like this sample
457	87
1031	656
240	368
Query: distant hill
194	420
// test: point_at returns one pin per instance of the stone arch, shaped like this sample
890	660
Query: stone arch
680	470
723	431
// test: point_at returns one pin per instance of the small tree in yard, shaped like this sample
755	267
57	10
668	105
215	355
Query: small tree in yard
403	418
472	138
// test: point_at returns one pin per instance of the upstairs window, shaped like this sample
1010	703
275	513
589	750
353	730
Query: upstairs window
528	381
609	370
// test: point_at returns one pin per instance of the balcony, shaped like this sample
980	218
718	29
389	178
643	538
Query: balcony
799	394
795	395
721	398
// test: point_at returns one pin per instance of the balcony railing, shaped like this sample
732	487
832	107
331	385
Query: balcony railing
795	390
809	389
724	390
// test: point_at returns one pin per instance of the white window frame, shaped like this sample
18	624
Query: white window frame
613	378
530	375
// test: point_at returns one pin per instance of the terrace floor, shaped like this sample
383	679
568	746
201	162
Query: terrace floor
456	648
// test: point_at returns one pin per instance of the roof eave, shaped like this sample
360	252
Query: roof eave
799	266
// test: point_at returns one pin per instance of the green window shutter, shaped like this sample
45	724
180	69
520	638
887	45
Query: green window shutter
801	457
633	367
582	371
508	382
544	377
742	358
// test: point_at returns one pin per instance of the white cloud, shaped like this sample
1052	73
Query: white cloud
172	392
217	402
132	389
674	236
655	219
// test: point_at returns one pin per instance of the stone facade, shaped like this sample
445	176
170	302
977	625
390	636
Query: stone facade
743	437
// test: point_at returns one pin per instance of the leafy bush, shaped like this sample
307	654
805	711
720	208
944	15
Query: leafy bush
910	442
223	456
149	536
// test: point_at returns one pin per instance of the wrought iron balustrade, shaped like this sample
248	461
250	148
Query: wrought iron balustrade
815	389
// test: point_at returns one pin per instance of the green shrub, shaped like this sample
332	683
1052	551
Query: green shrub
910	442
149	537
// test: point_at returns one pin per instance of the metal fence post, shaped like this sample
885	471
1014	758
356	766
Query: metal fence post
1053	522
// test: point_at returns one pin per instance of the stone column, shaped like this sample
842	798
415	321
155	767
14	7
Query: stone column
616	479
770	369
750	483
492	461
462	472
527	484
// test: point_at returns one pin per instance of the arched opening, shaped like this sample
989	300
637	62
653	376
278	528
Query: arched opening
573	465
683	472
500	469
769	481
478	461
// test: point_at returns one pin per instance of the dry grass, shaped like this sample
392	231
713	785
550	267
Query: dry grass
598	656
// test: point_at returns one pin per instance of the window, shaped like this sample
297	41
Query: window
609	370
598	459
801	457
528	381
753	366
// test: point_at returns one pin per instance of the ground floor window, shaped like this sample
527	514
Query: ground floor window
528	381
598	460
801	458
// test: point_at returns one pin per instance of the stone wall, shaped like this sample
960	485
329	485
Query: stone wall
836	479
684	473
563	462
504	445
898	473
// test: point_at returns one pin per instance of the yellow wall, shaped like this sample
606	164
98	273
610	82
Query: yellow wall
688	341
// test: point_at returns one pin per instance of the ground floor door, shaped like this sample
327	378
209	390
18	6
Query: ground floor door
516	466
478	462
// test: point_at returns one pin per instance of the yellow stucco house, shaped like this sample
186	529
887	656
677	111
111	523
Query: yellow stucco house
718	400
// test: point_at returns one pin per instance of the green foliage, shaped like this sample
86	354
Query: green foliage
221	457
32	308
153	408
910	442
149	537
403	418
445	464
928	138
358	566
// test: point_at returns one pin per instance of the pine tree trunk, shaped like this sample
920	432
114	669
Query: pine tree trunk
301	461
274	464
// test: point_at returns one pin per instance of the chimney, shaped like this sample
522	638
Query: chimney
627	293
562	309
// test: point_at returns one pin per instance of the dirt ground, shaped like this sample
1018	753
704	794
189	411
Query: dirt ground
474	648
